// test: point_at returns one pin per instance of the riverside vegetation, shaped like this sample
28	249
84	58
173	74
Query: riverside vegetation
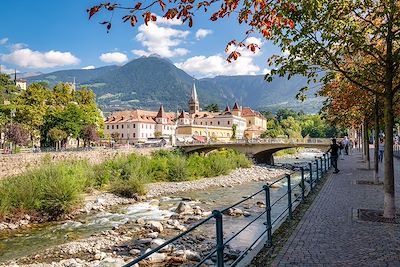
55	189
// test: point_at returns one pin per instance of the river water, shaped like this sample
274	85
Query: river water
37	238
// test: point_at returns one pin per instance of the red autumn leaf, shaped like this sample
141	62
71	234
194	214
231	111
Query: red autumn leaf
162	5
138	5
291	24
93	10
126	18
133	20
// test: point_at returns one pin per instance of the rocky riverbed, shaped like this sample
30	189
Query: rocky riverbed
124	242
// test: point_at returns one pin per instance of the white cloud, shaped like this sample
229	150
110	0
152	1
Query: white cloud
266	71
3	41
4	69
113	57
34	59
218	65
18	46
91	67
140	53
161	40
201	33
174	21
253	40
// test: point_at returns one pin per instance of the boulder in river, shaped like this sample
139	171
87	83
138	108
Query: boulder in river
184	208
155	226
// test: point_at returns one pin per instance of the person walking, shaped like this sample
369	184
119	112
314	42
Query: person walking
334	149
381	150
346	145
341	148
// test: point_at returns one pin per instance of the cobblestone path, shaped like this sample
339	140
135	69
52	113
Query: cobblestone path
330	233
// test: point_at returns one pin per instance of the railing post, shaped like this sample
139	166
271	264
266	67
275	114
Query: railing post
322	167
328	155
289	193
311	180
302	185
325	165
316	163
220	237
268	213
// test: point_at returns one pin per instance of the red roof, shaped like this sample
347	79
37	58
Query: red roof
161	112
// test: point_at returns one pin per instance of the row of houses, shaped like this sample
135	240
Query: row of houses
140	125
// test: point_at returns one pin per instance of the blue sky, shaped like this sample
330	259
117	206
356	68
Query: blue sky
50	35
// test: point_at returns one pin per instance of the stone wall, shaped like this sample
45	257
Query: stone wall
18	163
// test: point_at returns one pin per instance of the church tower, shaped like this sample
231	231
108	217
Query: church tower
194	101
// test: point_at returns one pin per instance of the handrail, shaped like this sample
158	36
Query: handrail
218	216
323	141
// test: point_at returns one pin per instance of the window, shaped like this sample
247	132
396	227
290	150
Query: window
117	126
218	122
108	127
112	127
134	135
134	125
201	123
122	135
210	122
229	122
206	123
122	126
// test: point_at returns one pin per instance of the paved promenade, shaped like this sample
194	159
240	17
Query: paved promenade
330	233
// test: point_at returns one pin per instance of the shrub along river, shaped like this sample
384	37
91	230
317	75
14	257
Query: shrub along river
30	241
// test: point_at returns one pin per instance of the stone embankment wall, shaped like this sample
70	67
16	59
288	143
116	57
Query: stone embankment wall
18	163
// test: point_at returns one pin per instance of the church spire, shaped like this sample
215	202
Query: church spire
194	101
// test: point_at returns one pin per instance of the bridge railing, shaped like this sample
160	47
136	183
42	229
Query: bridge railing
281	206
260	141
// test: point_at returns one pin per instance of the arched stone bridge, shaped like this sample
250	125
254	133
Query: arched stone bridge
260	150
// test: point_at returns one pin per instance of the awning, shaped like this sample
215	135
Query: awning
199	138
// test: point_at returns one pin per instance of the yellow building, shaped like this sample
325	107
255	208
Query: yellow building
255	121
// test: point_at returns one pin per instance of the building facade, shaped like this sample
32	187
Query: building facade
135	126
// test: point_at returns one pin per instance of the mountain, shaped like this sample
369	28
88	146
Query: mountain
147	82
80	75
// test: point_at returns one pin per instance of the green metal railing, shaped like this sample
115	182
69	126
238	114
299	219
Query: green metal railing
306	185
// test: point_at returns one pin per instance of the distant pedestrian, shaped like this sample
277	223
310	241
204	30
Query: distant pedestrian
341	148
381	149
346	144
351	145
334	149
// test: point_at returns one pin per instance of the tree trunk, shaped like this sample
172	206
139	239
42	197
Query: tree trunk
389	197
366	145
376	143
389	209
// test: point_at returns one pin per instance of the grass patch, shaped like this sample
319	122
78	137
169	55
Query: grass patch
52	189
56	188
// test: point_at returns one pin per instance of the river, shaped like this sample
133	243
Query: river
36	238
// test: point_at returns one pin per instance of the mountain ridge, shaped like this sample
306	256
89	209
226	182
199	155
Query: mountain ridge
147	82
